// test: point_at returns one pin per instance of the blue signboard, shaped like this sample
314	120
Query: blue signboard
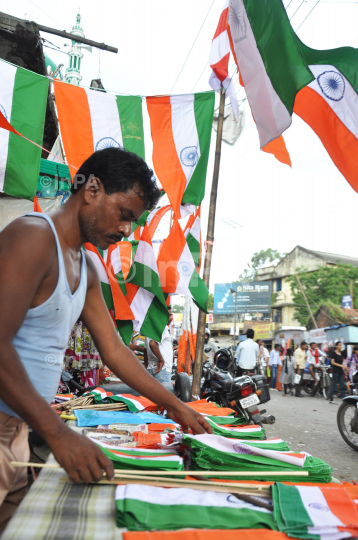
347	301
252	297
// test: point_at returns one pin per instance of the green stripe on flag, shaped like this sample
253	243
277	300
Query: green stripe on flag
199	291
155	320
344	58
131	119
204	112
28	117
288	510
143	276
125	328
276	42
107	295
194	247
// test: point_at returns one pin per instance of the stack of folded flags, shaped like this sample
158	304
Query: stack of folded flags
142	507
215	453
134	403
142	458
212	409
244	432
314	512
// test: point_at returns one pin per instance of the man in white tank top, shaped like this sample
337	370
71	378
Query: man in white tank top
45	285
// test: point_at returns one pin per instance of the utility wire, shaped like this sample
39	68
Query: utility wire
288	5
176	80
303	1
316	4
44	12
201	74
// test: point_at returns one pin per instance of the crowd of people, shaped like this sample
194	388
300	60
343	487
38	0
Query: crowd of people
254	355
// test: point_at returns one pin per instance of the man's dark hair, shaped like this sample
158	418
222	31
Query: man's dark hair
313	343
303	343
277	346
250	333
119	171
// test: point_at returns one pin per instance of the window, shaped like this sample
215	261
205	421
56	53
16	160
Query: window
79	64
74	65
278	284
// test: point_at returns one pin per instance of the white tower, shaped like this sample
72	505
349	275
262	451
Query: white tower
73	75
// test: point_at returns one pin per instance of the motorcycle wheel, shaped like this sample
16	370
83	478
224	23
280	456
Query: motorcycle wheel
182	387
308	390
345	415
327	388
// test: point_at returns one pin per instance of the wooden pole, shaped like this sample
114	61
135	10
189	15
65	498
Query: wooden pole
209	248
351	284
77	39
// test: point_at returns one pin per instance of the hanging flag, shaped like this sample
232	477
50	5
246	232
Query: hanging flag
142	507
91	120
23	99
113	293
270	63
192	234
181	133
177	268
144	291
314	512
219	61
37	207
329	105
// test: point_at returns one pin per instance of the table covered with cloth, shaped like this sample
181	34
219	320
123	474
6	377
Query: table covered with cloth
57	510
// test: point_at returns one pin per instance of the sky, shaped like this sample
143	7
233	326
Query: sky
274	206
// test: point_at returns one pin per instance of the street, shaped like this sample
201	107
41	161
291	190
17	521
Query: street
310	425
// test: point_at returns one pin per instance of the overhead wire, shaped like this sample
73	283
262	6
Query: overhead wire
316	4
197	35
303	1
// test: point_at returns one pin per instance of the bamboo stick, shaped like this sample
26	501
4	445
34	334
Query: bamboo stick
173	473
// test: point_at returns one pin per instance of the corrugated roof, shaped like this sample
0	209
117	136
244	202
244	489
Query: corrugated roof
333	258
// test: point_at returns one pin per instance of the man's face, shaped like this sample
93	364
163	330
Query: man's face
171	318
206	338
106	219
259	342
304	347
314	346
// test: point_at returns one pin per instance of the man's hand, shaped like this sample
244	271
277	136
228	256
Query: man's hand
160	366
188	418
83	460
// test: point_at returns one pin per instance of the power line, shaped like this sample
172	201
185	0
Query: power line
303	1
44	12
201	74
288	5
316	4
176	80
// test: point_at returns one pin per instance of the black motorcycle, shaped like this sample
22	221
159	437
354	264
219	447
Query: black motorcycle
244	394
347	415
324	378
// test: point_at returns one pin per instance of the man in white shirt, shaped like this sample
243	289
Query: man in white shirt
313	359
247	353
274	362
160	355
210	348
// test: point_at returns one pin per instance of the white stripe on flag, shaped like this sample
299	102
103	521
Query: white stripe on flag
185	133
106	126
317	508
116	260
271	115
103	276
182	497
220	47
7	81
195	229
145	255
139	306
186	267
343	99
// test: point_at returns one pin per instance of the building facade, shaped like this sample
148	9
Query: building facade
73	72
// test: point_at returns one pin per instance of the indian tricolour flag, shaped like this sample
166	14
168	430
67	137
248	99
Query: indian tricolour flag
192	234
134	404
181	132
329	105
142	507
23	98
320	513
269	61
91	120
177	268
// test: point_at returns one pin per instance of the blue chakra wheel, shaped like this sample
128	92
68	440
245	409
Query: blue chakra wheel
332	85
107	142
189	156
185	269
3	111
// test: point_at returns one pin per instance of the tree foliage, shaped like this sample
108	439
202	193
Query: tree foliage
210	304
258	260
325	286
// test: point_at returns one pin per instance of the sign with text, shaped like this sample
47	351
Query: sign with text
209	318
252	297
263	330
347	301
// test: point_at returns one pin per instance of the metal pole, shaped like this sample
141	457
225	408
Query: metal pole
209	245
235	318
352	293
304	294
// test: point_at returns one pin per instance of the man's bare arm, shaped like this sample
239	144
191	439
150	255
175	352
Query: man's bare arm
125	364
26	256
156	351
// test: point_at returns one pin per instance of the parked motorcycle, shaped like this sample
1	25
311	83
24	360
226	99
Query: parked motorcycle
324	378
347	415
244	394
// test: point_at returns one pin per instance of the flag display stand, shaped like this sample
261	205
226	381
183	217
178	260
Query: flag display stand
209	248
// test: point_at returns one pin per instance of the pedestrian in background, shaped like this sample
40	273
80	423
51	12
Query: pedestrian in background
351	362
288	372
300	358
338	370
274	362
